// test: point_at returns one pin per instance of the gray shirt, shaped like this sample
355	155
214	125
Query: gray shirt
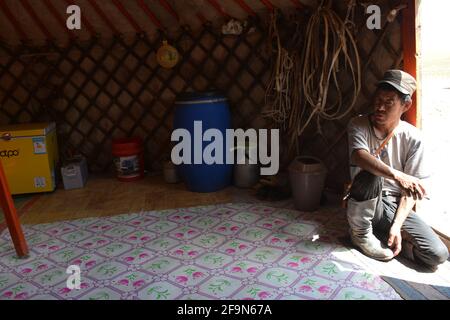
404	152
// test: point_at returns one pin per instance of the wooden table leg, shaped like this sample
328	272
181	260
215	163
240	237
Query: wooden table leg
11	217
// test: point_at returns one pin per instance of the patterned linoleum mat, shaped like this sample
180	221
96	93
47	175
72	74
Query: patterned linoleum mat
232	251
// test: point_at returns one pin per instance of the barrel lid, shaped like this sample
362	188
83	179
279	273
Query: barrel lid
200	96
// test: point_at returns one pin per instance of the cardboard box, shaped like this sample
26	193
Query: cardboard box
29	155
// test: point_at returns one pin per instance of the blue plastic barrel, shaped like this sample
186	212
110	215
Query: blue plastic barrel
211	108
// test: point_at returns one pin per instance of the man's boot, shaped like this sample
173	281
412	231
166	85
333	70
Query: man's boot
360	215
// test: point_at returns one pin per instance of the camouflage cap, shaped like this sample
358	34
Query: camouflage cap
400	80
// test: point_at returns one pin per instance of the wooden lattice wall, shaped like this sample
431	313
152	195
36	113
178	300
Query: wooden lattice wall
103	89
110	87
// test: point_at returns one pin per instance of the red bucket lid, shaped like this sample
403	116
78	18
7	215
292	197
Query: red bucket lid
128	141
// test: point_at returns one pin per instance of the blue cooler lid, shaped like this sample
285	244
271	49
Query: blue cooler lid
200	97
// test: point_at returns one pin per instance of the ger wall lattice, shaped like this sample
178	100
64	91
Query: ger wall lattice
104	88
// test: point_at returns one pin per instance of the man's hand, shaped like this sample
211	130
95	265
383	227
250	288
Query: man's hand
411	186
395	239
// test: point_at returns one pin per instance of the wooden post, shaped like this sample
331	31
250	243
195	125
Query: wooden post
410	52
11	217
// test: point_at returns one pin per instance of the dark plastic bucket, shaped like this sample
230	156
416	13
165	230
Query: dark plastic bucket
211	108
307	177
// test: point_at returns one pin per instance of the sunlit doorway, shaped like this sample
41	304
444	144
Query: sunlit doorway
435	77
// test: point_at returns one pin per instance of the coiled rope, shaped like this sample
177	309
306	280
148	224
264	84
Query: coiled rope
298	91
321	64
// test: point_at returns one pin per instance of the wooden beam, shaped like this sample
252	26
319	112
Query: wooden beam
59	18
29	9
297	4
168	7
119	5
409	32
150	14
218	8
268	5
11	217
15	23
104	17
245	7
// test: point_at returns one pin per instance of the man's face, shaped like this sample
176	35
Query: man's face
387	107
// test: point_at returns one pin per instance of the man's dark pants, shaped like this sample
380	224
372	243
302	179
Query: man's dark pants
428	249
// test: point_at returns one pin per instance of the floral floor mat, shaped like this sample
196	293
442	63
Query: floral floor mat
234	251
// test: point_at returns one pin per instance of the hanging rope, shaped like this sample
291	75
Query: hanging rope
299	88
329	40
279	89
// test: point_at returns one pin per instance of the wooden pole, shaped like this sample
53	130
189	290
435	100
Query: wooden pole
15	23
409	32
168	7
32	13
152	16
104	17
246	7
56	14
11	217
218	8
268	5
119	5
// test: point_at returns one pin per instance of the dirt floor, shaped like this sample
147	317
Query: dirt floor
106	196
